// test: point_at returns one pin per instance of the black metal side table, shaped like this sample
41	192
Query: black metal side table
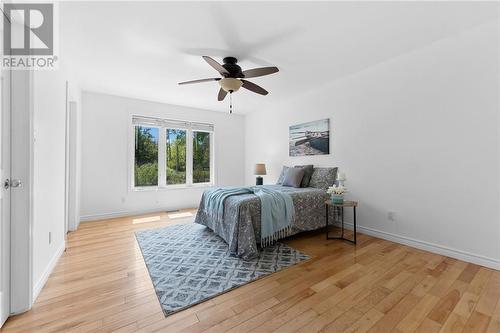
340	208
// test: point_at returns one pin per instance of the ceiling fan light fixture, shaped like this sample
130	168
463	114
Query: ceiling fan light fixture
230	84
233	78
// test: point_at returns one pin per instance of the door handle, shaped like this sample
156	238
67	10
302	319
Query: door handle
12	183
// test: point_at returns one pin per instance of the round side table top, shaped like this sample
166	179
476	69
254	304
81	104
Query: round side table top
347	203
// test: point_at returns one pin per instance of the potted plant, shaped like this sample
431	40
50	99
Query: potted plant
337	194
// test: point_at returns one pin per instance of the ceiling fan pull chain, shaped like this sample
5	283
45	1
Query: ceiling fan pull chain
231	102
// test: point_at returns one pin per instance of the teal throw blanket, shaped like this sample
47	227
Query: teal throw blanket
276	211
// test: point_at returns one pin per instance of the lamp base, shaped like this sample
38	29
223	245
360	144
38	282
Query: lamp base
259	181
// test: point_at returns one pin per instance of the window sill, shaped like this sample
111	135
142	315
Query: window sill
171	187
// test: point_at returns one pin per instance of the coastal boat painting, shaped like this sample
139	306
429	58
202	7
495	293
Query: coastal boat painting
312	138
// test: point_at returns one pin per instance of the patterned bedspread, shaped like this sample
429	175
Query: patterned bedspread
240	227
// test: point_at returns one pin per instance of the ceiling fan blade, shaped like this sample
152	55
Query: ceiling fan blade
260	71
201	80
218	67
222	94
253	87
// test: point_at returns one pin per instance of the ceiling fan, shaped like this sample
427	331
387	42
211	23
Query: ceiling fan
233	78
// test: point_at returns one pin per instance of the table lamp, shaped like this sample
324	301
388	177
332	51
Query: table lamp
341	178
259	170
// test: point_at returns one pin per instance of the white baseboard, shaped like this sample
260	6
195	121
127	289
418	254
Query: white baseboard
431	247
419	244
37	288
112	215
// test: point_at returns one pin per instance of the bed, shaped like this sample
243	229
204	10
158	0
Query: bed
241	222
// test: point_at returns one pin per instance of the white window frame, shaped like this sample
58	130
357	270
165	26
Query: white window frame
190	127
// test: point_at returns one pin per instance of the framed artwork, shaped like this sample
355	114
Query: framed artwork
312	138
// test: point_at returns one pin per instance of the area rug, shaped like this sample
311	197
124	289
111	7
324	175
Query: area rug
189	264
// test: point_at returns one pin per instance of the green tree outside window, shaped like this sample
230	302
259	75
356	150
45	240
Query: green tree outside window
146	156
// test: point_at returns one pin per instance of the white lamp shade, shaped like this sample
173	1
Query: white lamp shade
230	84
260	169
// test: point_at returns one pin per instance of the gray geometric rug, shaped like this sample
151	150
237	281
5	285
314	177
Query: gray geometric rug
189	264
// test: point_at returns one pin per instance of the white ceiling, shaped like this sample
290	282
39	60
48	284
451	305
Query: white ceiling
142	49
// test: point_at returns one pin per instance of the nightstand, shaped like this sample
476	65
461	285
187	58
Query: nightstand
338	209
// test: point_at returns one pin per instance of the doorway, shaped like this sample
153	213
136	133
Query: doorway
4	195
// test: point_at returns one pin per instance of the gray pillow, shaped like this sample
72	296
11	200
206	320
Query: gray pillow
282	175
308	171
293	177
323	178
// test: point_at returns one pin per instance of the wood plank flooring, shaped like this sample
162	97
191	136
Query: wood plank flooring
101	284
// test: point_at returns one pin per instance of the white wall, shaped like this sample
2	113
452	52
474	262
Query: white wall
49	89
417	134
106	128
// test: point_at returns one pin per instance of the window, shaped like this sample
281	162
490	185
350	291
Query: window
146	156
201	157
170	153
176	156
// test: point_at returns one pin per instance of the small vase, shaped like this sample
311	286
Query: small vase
337	199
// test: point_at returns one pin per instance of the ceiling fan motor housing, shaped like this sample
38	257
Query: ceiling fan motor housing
231	66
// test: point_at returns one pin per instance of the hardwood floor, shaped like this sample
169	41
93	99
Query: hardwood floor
101	284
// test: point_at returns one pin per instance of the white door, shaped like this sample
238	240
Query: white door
5	146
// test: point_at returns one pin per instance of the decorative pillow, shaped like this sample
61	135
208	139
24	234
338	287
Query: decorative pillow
282	175
308	171
293	177
323	178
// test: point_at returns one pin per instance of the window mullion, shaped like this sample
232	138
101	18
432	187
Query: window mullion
132	162
212	159
162	147
189	157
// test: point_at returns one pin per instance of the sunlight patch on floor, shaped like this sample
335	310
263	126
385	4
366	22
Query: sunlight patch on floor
147	219
174	216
